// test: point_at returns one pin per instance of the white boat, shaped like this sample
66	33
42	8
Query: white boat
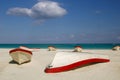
20	55
64	61
29	49
77	49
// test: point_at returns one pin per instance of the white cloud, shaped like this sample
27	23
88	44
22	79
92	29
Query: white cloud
19	11
41	11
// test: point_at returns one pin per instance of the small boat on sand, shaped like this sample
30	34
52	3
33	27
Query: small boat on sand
29	49
64	61
20	55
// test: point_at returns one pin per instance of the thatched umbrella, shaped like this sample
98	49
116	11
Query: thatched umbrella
116	48
77	49
51	48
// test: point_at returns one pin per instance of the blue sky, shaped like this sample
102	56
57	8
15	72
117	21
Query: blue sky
59	21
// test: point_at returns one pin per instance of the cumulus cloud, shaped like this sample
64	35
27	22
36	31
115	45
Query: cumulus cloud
41	11
19	11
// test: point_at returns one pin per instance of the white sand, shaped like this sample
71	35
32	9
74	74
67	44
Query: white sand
34	70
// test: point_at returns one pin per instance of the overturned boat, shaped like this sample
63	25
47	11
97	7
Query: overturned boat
20	55
65	61
51	48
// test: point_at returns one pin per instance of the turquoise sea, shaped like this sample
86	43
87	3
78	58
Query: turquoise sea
61	46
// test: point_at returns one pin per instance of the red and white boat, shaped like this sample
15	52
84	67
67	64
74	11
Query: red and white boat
29	49
65	61
20	55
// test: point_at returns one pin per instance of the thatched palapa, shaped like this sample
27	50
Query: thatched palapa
77	49
51	48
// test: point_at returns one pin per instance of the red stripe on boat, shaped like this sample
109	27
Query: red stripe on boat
18	49
74	65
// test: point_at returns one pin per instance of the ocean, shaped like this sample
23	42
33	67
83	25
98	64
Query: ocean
61	46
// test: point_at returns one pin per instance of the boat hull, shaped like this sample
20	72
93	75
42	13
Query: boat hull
85	59
74	65
21	56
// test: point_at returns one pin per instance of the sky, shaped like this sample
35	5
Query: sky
59	21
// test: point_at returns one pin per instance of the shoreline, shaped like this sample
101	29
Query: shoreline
34	70
64	46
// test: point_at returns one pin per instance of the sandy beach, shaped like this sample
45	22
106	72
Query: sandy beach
34	70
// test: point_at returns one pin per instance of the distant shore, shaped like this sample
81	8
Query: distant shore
34	70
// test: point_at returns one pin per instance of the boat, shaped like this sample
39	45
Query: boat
20	55
29	49
64	61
